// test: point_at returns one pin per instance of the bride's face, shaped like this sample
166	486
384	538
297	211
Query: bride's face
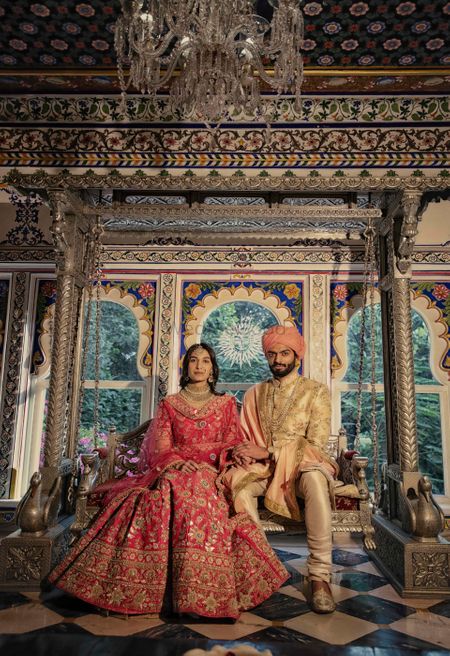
199	366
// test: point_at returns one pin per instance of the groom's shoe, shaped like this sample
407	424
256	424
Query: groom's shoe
319	597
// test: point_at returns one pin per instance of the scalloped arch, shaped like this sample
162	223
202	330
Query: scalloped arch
211	302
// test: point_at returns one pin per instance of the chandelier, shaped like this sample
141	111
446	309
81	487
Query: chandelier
213	56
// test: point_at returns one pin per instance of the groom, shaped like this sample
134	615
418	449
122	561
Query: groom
287	422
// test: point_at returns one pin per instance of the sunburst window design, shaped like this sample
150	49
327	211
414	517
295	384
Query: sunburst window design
234	330
240	343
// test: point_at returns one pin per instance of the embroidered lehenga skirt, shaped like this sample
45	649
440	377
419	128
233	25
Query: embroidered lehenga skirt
173	544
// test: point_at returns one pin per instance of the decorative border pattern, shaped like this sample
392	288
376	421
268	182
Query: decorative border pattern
12	377
73	109
239	258
317	312
26	255
173	148
238	181
4	297
166	332
393	80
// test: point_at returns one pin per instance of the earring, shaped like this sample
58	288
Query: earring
210	379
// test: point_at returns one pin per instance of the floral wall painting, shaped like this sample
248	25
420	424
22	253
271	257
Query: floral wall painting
431	299
139	297
232	316
345	300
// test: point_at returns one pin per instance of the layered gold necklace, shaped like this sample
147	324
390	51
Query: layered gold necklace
276	422
195	395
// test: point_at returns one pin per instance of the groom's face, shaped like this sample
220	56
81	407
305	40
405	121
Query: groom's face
282	360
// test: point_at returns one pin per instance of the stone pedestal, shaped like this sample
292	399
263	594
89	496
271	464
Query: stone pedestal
415	569
26	560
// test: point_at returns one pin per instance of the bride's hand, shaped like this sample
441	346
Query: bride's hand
189	467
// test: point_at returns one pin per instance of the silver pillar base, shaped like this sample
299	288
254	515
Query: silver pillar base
25	560
414	569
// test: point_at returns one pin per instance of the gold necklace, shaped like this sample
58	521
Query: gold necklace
276	423
191	395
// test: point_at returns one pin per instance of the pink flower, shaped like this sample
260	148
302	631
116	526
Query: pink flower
48	289
340	292
146	290
441	292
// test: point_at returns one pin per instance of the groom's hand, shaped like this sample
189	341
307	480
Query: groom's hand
249	450
243	461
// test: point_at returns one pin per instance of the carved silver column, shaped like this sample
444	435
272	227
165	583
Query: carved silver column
40	541
407	531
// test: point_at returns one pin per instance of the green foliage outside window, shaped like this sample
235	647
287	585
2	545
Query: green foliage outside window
427	405
117	407
119	338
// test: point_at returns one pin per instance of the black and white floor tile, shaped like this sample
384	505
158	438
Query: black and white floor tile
370	617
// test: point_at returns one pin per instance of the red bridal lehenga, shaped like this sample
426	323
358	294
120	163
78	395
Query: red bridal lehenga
169	531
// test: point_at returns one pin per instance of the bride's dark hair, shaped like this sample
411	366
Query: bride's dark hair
184	379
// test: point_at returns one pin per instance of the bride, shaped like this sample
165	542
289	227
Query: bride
167	534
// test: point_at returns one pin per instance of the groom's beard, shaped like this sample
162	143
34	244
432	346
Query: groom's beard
280	371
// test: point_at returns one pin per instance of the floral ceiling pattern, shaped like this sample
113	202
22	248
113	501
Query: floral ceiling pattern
54	36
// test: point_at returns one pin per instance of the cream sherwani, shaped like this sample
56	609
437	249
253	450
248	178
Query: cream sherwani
290	417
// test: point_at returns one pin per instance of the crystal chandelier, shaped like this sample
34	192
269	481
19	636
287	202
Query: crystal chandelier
213	56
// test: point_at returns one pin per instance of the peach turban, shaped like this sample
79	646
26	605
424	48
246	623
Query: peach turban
286	335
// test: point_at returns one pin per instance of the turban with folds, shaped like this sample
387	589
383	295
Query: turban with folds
286	335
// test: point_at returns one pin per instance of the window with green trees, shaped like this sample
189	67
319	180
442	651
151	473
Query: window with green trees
428	397
120	386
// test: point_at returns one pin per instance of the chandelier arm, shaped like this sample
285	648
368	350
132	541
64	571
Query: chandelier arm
189	9
155	53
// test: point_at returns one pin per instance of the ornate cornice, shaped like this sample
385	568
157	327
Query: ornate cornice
144	180
313	109
163	253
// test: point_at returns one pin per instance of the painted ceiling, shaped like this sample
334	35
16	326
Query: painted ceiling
52	46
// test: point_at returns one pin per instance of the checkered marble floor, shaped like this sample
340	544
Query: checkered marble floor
370	614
